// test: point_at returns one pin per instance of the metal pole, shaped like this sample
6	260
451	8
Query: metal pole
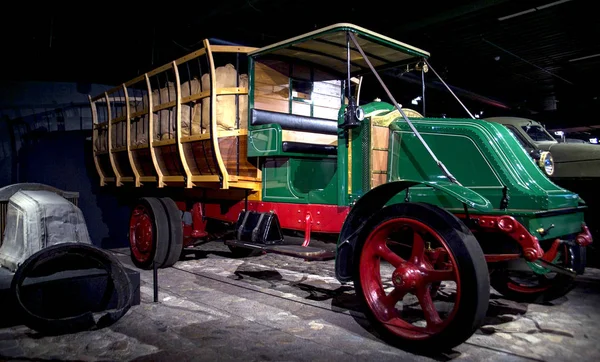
412	127
155	279
423	87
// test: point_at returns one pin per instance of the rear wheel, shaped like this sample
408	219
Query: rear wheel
175	231
421	276
148	233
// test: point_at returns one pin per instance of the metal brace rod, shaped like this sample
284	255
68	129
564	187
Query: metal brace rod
447	87
412	127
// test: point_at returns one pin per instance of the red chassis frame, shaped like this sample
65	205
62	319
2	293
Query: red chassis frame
330	218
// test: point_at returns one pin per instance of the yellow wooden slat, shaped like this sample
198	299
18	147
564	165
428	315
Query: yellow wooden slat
162	106
160	69
232	133
118	178
139	147
205	178
163	143
132	164
151	134
172	178
232	90
118	149
191	56
231	49
148	178
193	138
118	119
94	138
213	118
180	151
254	186
195	97
139	113
134	80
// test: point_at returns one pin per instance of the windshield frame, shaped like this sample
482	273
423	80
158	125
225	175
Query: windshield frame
549	137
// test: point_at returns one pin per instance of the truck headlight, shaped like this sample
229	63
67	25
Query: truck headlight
546	163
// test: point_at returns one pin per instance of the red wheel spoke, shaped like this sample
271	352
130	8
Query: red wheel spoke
431	275
394	297
431	315
385	253
418	249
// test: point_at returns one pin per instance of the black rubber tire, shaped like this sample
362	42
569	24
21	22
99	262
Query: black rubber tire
471	265
160	229
175	240
558	286
73	256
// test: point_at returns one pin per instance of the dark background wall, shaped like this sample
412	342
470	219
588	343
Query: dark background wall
45	137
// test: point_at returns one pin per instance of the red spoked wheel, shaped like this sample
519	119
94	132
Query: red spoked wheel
421	276
148	233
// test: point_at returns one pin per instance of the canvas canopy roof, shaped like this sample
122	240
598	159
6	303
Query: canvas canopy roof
326	47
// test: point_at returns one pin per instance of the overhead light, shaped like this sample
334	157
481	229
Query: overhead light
542	7
586	57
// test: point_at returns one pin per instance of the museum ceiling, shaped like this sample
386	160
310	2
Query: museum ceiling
531	57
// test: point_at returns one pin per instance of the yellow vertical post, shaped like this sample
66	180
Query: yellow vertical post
186	168
95	131
110	154
214	134
136	174
159	174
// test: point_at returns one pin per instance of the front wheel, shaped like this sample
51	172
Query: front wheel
532	283
421	276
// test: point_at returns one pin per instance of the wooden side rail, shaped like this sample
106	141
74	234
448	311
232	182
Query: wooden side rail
124	159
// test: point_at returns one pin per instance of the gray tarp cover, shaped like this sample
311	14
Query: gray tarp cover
36	220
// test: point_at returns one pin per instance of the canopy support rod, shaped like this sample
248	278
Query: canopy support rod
450	90
412	127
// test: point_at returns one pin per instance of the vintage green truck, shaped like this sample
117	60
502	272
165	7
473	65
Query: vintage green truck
274	145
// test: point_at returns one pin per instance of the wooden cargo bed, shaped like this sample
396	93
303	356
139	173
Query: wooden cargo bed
182	124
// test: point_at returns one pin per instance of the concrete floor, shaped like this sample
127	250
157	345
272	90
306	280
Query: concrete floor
277	308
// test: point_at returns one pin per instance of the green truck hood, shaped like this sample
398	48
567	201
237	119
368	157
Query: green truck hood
483	156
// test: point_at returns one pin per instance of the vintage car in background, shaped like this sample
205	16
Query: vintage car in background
559	160
274	146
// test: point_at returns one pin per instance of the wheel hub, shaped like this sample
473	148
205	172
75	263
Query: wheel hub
143	233
407	277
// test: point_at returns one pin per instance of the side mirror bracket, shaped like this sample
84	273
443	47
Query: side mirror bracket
353	116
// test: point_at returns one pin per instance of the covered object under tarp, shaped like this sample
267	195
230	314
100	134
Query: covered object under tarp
36	220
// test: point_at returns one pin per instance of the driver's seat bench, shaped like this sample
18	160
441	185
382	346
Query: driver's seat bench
294	134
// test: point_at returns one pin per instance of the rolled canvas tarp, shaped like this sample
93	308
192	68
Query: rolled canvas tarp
36	220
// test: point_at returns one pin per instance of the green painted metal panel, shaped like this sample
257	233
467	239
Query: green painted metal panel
300	180
457	143
264	140
564	224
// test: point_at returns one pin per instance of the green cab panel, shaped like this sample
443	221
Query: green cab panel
300	180
265	140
